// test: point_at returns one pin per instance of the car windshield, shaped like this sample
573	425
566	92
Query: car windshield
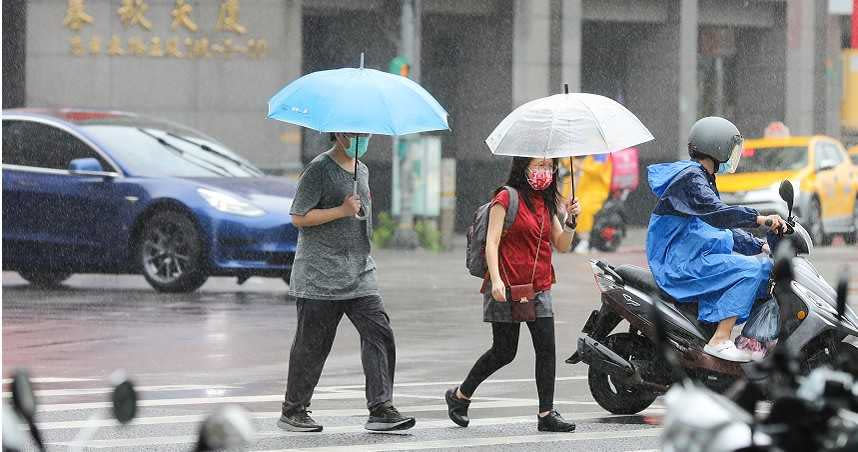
161	150
772	159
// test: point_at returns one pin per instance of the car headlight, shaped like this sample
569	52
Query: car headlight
229	204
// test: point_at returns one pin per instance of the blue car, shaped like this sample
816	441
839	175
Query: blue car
108	192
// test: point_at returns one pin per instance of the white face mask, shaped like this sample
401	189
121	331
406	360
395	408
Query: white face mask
732	163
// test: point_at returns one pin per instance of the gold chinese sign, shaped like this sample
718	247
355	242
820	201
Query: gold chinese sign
135	16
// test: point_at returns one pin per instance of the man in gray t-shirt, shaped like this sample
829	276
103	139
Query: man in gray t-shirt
333	274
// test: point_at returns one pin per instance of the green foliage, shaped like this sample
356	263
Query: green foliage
429	235
383	230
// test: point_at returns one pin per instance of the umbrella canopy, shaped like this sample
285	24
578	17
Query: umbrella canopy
358	100
567	125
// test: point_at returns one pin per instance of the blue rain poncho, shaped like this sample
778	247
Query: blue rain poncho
692	244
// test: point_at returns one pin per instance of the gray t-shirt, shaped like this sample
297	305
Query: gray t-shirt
333	260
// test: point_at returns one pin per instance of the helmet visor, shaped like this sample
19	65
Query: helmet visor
735	155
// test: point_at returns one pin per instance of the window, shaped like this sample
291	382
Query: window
772	159
29	143
827	155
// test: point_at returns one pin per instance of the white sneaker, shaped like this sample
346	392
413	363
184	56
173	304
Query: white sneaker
727	351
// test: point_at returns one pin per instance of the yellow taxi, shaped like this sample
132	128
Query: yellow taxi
827	180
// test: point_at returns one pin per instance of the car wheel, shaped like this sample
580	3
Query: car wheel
170	253
852	238
44	279
817	233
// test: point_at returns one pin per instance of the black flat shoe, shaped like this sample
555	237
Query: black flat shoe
457	408
554	422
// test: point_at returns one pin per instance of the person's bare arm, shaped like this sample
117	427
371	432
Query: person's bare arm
315	217
497	214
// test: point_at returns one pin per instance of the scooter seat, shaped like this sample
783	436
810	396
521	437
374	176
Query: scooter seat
643	280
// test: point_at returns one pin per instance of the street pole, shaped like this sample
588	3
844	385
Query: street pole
405	237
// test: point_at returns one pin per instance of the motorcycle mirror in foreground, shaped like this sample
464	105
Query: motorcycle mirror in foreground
226	429
787	193
24	401
842	291
782	271
124	399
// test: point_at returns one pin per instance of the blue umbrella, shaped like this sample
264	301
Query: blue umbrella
358	101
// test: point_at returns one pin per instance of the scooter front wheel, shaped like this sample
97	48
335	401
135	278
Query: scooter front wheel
620	397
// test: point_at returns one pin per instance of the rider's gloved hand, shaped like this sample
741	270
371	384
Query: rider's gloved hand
774	222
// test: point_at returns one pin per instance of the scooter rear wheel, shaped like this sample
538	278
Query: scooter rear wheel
615	396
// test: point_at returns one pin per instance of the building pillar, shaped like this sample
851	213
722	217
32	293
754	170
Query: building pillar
687	95
531	50
570	72
802	84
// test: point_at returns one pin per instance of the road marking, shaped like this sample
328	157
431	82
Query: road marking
195	418
52	380
88	391
197	401
343	429
476	442
445	383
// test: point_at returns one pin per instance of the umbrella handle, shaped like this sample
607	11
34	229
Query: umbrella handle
361	215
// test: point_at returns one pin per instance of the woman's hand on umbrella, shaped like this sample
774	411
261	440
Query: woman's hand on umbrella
351	205
573	207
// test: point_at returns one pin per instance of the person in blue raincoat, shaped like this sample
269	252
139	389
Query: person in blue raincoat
694	248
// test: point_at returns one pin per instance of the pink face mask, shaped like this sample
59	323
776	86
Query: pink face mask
540	178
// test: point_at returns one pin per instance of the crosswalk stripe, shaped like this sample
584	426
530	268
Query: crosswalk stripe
90	391
52	380
195	401
421	425
457	382
476	442
194	418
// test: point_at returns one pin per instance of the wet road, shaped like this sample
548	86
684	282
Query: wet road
190	353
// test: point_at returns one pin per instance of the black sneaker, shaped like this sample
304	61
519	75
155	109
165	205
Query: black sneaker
553	422
386	418
298	421
457	408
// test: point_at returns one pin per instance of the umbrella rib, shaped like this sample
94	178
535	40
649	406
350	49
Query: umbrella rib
324	124
550	133
598	125
387	109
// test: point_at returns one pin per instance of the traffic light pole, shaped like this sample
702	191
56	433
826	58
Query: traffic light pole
405	236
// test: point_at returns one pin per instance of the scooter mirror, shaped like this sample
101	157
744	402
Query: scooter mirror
228	428
787	193
124	400
23	397
842	291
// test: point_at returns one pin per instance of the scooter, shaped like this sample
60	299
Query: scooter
609	224
626	373
228	428
818	412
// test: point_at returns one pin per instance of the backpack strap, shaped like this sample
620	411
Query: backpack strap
512	211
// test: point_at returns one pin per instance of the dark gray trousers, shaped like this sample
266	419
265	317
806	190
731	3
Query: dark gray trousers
317	326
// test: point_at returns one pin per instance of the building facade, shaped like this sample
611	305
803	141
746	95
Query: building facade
213	64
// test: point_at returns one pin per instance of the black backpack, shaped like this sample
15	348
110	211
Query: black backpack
475	257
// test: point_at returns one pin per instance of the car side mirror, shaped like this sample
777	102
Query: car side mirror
787	192
87	165
227	429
